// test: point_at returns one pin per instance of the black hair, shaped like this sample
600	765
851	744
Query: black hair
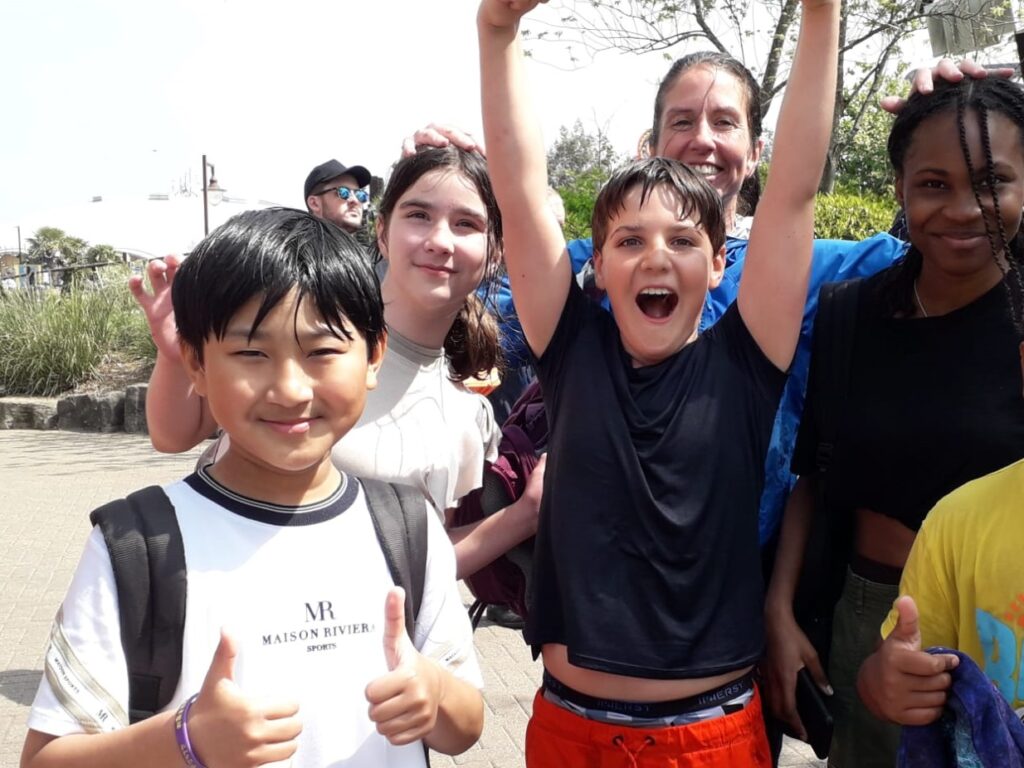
696	197
750	192
472	345
266	254
982	97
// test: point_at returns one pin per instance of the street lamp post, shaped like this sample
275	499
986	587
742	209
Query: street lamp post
212	194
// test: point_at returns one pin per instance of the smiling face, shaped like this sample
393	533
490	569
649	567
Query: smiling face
656	268
936	192
704	125
435	241
285	393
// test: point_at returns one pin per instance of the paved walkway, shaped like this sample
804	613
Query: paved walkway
49	481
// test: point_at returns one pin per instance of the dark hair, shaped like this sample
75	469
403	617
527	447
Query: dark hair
695	196
266	254
472	345
992	94
750	192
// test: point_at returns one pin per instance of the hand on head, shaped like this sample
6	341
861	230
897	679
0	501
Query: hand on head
229	730
403	702
948	70
440	136
157	305
901	683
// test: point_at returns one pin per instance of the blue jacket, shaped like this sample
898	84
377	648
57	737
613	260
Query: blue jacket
833	260
977	728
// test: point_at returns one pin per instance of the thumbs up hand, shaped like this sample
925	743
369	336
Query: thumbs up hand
229	730
403	702
901	683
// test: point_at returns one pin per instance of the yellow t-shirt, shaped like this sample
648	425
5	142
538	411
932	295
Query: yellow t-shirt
966	574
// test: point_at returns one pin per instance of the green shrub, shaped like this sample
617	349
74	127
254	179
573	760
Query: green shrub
52	341
849	216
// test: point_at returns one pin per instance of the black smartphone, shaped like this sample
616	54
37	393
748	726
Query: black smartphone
812	706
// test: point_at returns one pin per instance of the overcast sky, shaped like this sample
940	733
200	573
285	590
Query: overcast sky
120	98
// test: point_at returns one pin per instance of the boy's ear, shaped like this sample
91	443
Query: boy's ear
382	238
376	357
313	203
717	268
897	186
193	368
599	270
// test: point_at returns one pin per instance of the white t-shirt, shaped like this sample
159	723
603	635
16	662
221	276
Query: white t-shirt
421	428
302	591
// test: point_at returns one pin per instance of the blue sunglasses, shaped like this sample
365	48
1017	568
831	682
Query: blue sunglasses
345	193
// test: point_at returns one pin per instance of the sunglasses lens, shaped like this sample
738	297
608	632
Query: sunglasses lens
361	196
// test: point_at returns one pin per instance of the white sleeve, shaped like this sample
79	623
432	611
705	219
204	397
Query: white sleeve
85	680
443	631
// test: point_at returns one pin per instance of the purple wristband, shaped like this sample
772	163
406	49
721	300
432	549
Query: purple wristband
181	733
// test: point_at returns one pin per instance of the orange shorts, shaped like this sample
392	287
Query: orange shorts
557	738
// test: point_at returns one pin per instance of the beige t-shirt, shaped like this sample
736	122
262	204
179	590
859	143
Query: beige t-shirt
421	428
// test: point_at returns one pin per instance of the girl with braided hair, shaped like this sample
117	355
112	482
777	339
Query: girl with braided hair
934	393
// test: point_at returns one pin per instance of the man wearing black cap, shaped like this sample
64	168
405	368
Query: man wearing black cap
337	194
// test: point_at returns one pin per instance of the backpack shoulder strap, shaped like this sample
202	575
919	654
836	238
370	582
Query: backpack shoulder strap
834	333
142	535
399	515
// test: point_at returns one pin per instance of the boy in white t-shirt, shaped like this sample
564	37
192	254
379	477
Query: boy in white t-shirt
288	592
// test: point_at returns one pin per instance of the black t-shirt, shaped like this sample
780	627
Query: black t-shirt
933	403
647	561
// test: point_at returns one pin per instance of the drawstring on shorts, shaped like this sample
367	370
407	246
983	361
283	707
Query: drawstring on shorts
620	742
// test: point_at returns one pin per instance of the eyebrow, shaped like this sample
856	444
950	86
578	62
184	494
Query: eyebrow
693	110
321	330
428	206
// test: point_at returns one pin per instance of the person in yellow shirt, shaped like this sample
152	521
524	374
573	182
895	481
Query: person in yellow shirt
965	582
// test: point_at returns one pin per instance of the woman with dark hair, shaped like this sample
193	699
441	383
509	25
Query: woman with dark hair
439	229
934	388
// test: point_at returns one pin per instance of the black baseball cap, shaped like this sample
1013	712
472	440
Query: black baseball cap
331	170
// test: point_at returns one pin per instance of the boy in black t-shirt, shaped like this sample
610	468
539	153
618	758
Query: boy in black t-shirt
647	589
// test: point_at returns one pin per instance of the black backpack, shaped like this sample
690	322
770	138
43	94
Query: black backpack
142	535
830	539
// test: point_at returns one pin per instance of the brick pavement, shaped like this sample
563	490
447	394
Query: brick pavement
49	481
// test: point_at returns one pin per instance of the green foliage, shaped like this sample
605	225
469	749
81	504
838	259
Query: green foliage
579	198
52	247
578	164
576	154
851	216
53	341
862	162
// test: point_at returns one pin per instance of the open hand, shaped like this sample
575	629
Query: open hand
948	70
157	306
229	730
438	135
403	702
900	682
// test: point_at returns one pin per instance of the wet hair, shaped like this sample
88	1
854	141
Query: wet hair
750	192
697	198
265	254
472	345
981	97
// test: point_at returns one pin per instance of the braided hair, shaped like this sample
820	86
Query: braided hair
982	97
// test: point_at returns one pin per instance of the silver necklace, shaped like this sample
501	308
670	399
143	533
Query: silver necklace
917	298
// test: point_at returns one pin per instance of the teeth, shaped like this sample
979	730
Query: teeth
655	292
705	170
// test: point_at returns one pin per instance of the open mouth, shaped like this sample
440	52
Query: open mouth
657	303
705	169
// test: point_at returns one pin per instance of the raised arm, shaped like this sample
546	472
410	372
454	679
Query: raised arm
538	265
773	291
177	417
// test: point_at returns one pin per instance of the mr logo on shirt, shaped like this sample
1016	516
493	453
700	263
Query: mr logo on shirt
321	612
